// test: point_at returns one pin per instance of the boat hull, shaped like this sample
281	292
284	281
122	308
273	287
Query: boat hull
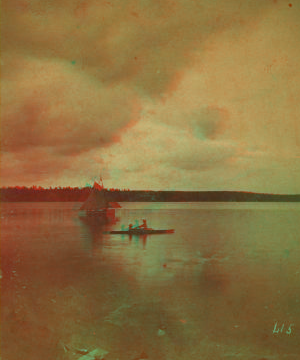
141	232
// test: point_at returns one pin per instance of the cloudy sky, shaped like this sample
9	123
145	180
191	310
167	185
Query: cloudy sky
154	94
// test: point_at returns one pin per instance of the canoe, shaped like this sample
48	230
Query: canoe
141	232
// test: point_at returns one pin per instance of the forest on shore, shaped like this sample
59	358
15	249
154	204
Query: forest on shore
76	194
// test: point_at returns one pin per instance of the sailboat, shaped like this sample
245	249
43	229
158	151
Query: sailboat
97	202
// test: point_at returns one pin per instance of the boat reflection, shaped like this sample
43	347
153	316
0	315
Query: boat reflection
100	224
137	239
96	223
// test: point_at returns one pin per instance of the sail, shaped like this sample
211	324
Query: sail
97	200
98	186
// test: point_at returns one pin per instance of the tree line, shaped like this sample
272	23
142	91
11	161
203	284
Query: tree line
74	194
38	193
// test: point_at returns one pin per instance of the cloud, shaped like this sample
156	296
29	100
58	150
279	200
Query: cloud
154	153
143	44
244	89
199	85
42	166
30	167
264	172
47	104
200	156
208	122
51	114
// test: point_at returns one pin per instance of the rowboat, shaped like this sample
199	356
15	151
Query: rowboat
140	232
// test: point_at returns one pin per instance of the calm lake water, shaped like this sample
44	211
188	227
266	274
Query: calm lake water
225	285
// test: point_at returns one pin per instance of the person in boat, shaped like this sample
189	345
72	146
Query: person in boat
144	225
138	227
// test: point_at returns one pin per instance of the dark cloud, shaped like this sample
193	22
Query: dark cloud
41	166
51	115
51	106
145	44
31	167
209	122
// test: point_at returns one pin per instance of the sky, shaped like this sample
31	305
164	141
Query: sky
151	94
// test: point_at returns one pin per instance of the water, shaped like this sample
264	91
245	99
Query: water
220	287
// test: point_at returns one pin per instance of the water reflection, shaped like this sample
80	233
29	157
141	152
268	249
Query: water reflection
96	224
214	287
138	239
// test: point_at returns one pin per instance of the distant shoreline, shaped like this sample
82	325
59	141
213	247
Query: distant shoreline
80	195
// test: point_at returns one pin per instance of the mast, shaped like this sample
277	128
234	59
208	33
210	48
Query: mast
101	181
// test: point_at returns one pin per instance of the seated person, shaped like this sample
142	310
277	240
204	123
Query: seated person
144	225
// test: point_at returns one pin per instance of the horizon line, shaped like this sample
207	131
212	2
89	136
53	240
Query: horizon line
38	187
